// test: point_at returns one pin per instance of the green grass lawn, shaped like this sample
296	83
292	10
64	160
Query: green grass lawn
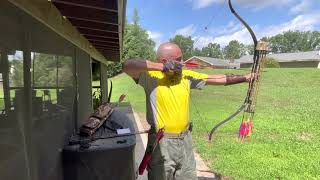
286	139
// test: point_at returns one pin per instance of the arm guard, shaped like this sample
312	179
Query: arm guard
235	79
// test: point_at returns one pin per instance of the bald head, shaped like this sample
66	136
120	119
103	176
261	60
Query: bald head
169	51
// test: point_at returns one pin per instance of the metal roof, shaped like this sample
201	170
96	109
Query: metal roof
211	61
286	57
215	61
101	22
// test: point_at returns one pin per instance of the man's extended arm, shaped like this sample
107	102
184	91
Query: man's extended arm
134	67
221	79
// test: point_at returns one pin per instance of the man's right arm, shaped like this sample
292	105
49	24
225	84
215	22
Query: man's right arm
134	67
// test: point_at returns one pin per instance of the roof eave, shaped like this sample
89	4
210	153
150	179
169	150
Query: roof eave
122	21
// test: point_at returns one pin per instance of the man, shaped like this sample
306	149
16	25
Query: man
167	87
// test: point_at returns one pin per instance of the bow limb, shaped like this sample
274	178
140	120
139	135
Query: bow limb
254	38
110	93
225	120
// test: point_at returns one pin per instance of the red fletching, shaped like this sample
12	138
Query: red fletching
159	135
245	129
250	127
122	97
144	163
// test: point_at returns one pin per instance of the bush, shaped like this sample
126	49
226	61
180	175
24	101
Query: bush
114	69
96	98
271	63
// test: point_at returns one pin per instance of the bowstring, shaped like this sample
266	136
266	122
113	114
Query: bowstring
213	17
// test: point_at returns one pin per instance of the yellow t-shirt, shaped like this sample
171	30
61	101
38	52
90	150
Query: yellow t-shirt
167	98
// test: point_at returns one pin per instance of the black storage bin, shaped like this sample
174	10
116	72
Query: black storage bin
104	159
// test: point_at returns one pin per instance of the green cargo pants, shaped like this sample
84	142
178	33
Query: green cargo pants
173	159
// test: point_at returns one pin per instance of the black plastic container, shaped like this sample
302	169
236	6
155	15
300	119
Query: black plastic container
103	159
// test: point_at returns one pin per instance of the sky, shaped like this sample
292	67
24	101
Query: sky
211	20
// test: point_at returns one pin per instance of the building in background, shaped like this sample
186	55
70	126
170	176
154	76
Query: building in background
310	59
216	63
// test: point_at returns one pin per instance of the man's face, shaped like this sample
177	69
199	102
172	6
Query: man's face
165	59
169	51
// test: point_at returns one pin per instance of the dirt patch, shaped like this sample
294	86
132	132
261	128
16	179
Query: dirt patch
274	136
304	136
203	171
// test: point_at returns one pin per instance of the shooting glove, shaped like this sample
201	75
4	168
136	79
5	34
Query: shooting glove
172	67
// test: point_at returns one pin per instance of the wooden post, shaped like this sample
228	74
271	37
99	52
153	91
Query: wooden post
5	77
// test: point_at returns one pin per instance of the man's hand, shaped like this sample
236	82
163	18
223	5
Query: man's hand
249	76
172	67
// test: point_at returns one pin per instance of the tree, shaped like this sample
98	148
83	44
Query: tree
136	41
271	63
294	41
212	50
186	45
234	50
249	49
197	52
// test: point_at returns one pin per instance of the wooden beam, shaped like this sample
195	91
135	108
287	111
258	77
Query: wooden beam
49	15
121	21
96	40
104	45
83	5
107	49
91	20
107	37
93	25
94	29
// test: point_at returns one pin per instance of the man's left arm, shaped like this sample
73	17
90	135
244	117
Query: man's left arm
222	79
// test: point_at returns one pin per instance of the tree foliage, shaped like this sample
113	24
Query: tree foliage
186	45
136	41
271	63
234	50
294	41
212	50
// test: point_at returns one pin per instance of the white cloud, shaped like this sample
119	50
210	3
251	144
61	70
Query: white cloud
156	37
303	6
230	28
198	4
303	22
202	41
241	35
186	31
256	4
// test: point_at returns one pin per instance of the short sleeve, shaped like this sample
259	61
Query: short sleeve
142	80
149	79
197	80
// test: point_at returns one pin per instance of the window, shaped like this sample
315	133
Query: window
52	79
